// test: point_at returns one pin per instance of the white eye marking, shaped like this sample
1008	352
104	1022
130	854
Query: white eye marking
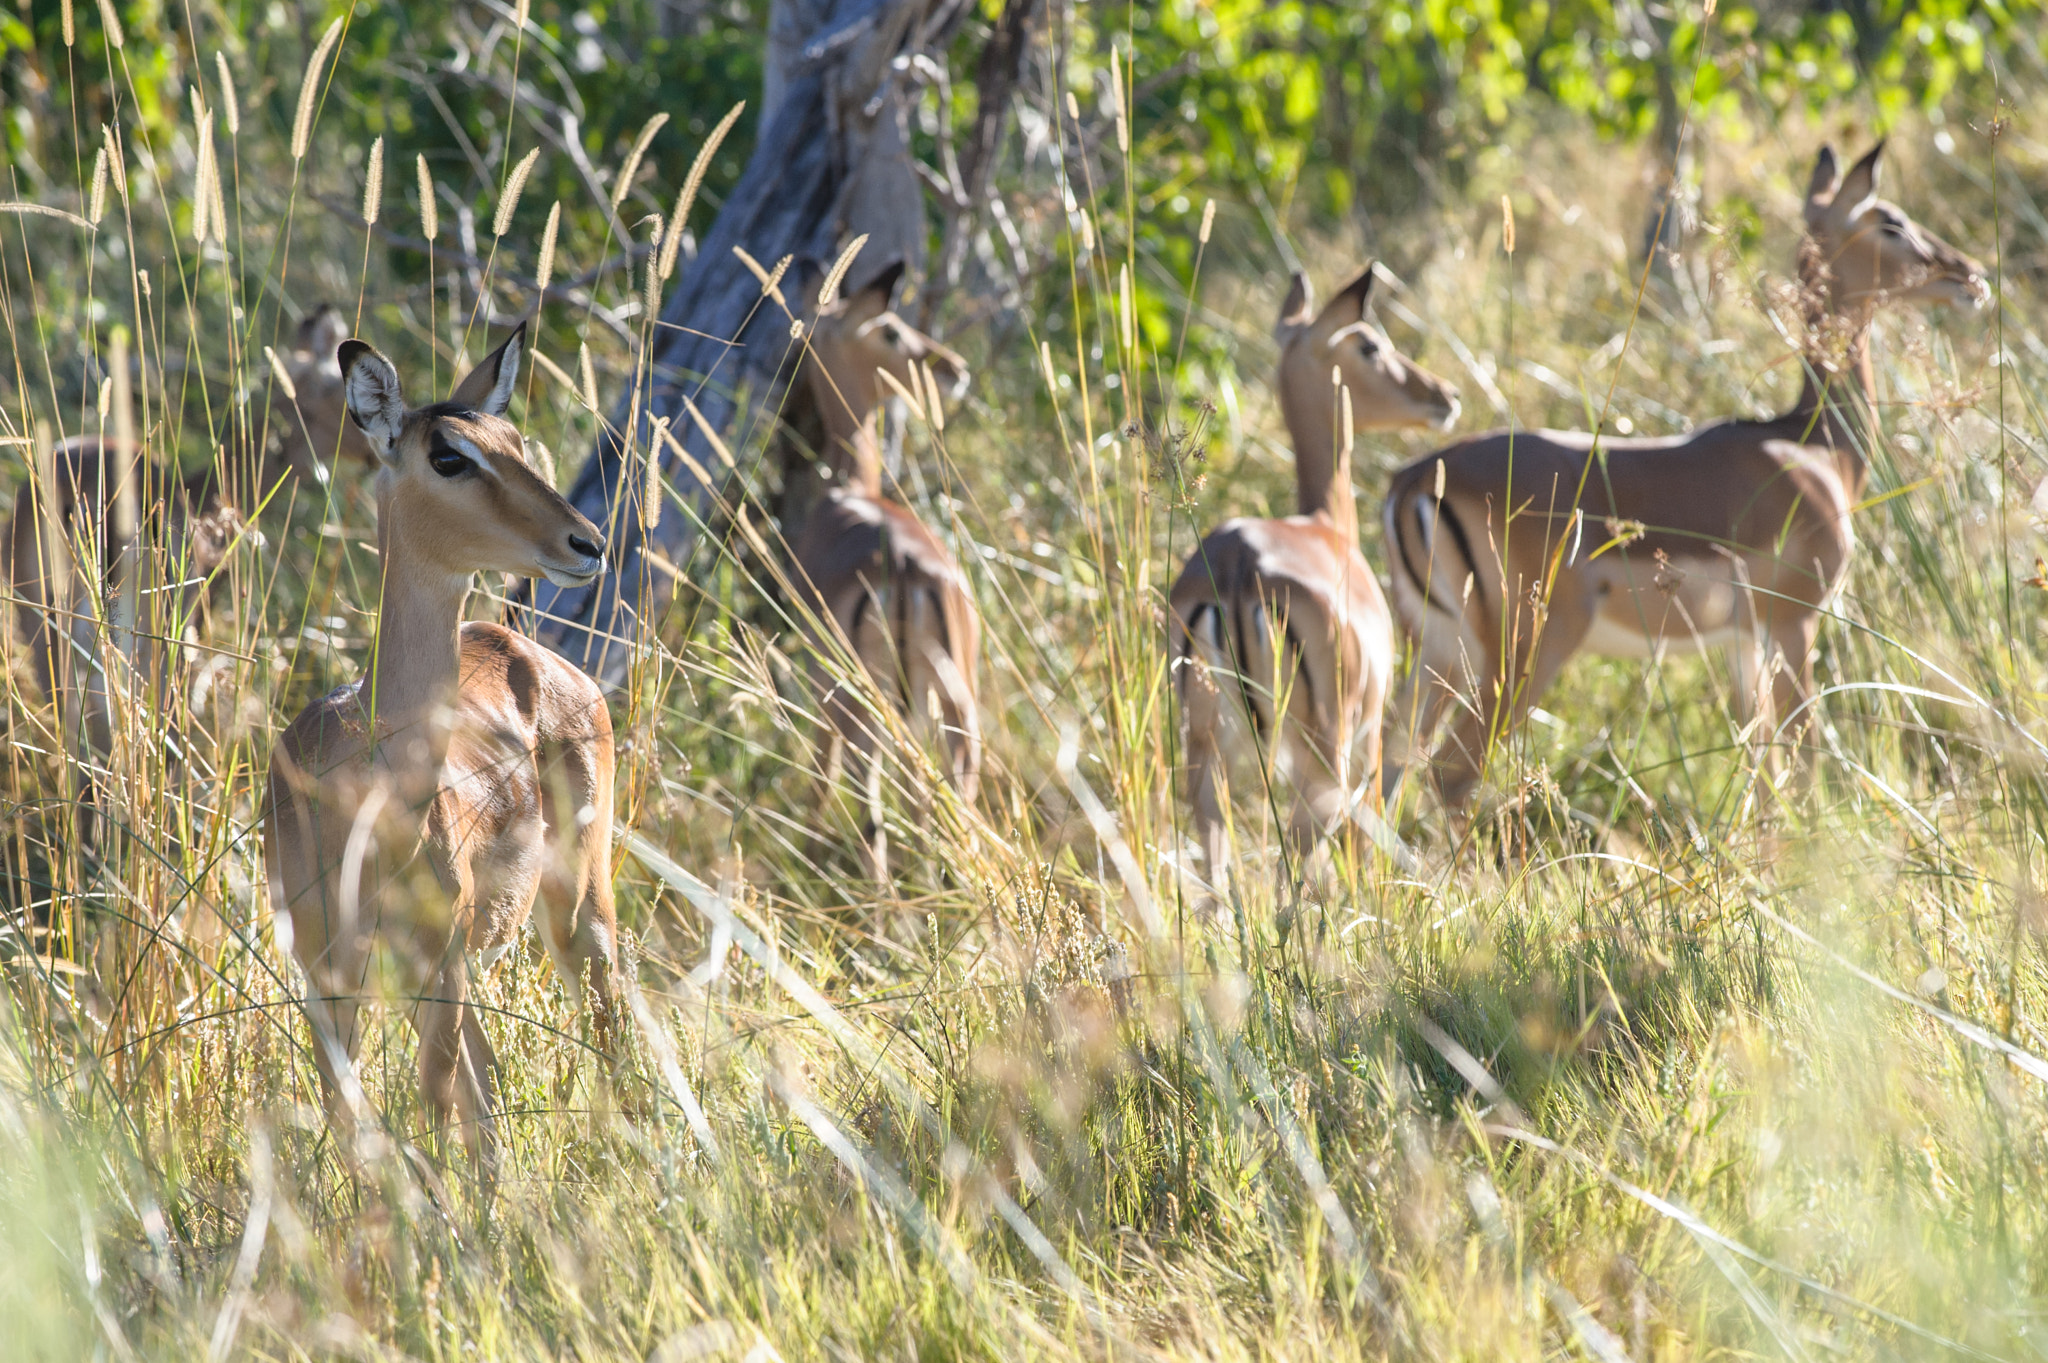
477	458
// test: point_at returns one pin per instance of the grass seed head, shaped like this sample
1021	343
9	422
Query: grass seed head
112	22
229	103
679	219
509	200
70	25
546	270
373	183
1208	221
430	215
96	201
309	91
624	184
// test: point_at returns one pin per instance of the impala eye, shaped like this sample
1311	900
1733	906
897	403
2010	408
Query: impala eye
448	461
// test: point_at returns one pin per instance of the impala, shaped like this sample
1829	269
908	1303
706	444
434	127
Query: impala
195	519
1513	551
1284	617
871	572
466	775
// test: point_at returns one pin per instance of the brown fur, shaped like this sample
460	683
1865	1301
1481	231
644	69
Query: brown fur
1747	522
1282	643
466	776
873	570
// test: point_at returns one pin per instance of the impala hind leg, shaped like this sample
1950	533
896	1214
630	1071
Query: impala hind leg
454	1075
334	982
577	917
1792	639
1208	787
1442	666
1505	699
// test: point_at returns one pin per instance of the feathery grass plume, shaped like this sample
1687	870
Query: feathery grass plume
654	275
895	385
373	183
519	15
650	491
1087	231
70	25
1350	429
1711	6
229	103
1208	221
1116	93
931	387
679	220
96	201
771	280
115	168
282	375
631	167
204	191
1439	480
1126	307
828	292
1073	107
1052	382
430	214
106	400
509	200
309	91
589	373
541	459
1507	224
112	22
546	271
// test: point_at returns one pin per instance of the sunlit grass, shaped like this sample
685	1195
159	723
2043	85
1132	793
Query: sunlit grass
1604	1076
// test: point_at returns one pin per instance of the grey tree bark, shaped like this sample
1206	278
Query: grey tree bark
832	162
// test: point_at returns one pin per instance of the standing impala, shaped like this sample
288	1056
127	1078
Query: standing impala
1286	619
468	774
196	520
870	569
1512	552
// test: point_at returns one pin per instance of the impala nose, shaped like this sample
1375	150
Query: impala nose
584	546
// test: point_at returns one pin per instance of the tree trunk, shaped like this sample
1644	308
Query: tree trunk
832	162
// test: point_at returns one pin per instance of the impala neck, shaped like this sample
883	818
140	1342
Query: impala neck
416	659
1837	403
853	444
1322	471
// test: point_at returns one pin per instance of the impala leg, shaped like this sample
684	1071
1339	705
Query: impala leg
453	1077
334	980
578	919
1442	663
1506	699
1792	640
1208	794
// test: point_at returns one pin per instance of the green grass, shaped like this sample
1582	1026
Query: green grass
1615	1073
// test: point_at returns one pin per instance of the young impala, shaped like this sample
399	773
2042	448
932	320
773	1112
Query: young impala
194	520
1510	553
1294	644
872	570
466	775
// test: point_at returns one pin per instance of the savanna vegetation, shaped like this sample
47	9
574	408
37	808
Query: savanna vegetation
1666	1054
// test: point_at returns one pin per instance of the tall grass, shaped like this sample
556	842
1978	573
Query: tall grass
1629	1073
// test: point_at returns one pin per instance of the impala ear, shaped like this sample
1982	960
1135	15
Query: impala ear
369	385
1820	189
1299	308
488	389
1349	304
1859	186
873	298
321	333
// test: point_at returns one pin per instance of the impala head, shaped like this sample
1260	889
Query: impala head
1873	251
856	336
310	423
453	485
1389	391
